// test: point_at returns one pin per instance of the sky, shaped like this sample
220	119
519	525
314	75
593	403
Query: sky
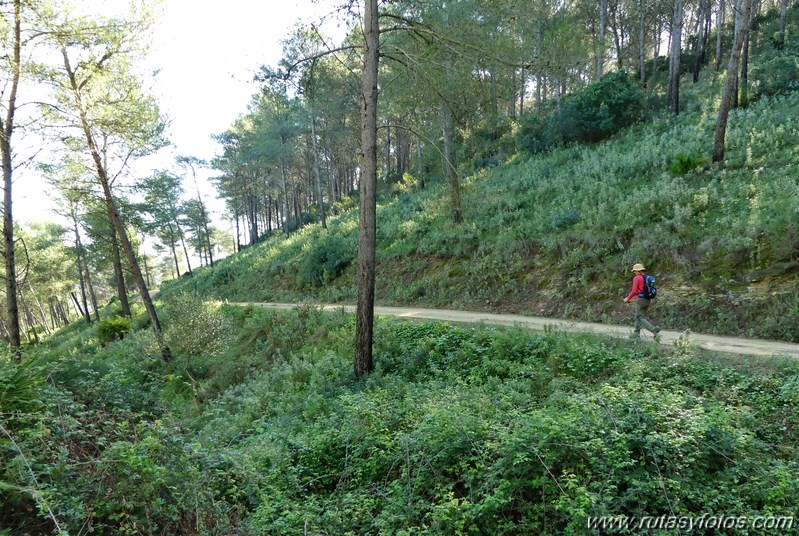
205	53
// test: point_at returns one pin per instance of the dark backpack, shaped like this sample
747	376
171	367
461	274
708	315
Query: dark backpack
650	292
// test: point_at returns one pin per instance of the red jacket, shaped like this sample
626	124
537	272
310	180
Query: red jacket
638	287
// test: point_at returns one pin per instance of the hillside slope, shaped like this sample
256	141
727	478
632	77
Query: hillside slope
555	234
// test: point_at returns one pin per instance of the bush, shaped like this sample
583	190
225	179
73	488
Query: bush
195	327
326	259
683	163
492	142
113	329
594	114
778	76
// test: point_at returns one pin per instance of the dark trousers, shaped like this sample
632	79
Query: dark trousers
641	305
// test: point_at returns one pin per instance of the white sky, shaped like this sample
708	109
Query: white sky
207	52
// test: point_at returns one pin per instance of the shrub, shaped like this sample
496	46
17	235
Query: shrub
113	329
492	142
326	260
685	162
594	114
195	327
778	76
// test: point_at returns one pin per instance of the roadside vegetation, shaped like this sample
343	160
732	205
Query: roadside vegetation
259	426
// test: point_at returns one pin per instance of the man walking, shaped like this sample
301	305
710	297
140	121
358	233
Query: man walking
642	299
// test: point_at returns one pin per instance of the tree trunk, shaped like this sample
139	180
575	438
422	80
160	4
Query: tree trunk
79	263
182	237
92	295
147	272
783	15
674	64
701	38
421	164
63	311
119	274
6	130
618	39
204	216
29	320
166	354
40	308
364	326
642	41
172	247
719	28
80	311
55	321
741	28
603	21
745	59
656	45
449	163
318	173
286	211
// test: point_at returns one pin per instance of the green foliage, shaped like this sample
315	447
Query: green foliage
591	115
195	327
683	163
113	329
326	259
492	142
458	430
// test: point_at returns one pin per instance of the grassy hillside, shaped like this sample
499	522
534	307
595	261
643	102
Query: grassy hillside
258	426
555	234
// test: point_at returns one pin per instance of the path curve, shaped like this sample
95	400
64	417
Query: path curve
736	345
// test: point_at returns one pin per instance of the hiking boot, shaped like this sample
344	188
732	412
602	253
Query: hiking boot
656	333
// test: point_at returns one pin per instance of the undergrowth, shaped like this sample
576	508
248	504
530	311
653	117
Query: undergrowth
458	430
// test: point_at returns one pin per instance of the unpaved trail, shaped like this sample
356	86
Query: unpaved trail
736	345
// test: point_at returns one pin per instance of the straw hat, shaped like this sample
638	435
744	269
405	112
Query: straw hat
638	267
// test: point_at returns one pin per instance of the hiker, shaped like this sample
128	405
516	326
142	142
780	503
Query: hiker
642	301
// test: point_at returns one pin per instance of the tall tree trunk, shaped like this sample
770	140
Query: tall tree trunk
719	30
78	308
603	22
449	162
318	174
79	263
172	247
40	308
29	320
674	64
147	278
119	274
741	29
6	130
642	41
63	311
55	321
701	38
618	39
745	59
286	211
92	295
204	217
238	231
364	323
102	176
182	237
656	45
783	16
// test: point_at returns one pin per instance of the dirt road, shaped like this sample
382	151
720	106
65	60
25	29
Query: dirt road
753	347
